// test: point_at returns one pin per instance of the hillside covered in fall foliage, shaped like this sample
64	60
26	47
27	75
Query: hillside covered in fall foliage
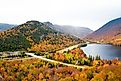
34	33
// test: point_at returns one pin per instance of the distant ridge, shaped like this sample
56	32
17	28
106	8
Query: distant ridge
110	32
4	26
79	32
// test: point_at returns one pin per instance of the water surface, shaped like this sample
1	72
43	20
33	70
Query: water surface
104	50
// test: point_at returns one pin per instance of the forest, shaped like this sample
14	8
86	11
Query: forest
39	70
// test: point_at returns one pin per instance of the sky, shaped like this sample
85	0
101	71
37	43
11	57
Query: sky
84	13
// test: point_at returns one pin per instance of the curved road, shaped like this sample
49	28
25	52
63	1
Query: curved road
49	60
69	48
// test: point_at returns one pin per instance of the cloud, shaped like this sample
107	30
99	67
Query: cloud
87	13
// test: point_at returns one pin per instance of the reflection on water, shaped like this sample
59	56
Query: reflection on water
105	51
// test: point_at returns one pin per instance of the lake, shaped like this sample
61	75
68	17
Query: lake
104	50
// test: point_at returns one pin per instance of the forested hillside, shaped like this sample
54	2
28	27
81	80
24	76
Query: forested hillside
32	33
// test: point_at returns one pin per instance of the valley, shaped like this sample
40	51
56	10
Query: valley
46	52
60	40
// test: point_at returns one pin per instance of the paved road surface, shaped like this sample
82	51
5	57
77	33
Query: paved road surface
49	60
69	48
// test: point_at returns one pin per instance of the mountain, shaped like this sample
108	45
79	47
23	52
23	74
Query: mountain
32	33
79	32
4	26
110	32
